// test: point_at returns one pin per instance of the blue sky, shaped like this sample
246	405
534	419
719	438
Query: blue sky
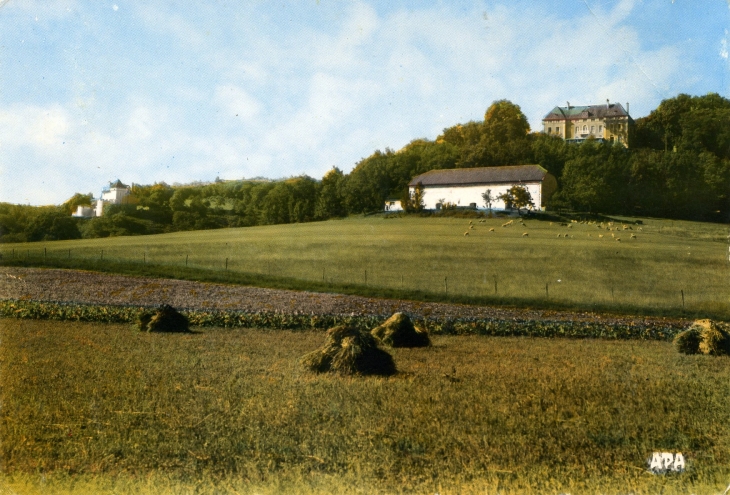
179	92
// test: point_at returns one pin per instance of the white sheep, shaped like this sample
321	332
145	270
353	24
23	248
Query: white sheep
491	229
525	234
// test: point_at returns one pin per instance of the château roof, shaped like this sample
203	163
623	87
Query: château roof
117	184
587	112
481	175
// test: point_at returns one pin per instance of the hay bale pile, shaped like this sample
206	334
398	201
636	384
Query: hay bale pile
350	351
399	331
164	319
703	337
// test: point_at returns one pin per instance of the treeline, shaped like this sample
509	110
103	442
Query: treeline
678	166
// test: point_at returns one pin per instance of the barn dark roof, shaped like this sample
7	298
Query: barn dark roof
481	175
587	112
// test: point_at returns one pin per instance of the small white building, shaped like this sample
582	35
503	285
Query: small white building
83	212
393	205
464	187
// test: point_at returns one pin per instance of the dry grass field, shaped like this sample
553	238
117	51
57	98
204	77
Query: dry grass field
669	267
90	408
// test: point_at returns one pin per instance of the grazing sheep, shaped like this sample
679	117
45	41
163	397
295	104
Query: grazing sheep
618	239
470	222
560	235
600	235
525	234
633	236
466	233
613	235
471	227
570	226
491	229
589	235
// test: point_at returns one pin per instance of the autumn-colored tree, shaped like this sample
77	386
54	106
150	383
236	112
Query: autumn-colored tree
504	121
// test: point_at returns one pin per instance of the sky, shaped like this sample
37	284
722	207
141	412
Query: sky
177	92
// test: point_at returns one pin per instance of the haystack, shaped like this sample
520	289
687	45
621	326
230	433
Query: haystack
705	337
713	339
350	351
164	319
688	342
399	331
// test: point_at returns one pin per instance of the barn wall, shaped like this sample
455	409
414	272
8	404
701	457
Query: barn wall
464	195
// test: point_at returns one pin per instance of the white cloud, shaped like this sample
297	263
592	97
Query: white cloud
236	101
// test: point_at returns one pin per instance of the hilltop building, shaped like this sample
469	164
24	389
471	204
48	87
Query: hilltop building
464	187
115	193
609	122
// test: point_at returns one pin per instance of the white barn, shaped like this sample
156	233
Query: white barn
464	187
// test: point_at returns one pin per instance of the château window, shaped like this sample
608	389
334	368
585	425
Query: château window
600	129
585	129
550	129
593	129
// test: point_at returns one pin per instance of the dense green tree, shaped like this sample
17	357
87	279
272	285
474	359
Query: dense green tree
330	203
52	224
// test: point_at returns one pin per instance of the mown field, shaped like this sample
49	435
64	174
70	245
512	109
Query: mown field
90	408
671	267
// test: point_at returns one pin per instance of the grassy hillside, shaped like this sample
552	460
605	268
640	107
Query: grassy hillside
91	408
671	267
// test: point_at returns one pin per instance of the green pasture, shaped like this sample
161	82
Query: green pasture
671	267
104	408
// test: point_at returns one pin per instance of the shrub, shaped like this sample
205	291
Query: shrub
399	331
164	319
350	351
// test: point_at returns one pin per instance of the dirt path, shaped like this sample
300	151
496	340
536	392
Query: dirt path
98	288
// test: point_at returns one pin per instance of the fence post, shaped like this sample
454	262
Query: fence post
226	264
366	277
682	291
495	285
186	261
446	285
547	292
